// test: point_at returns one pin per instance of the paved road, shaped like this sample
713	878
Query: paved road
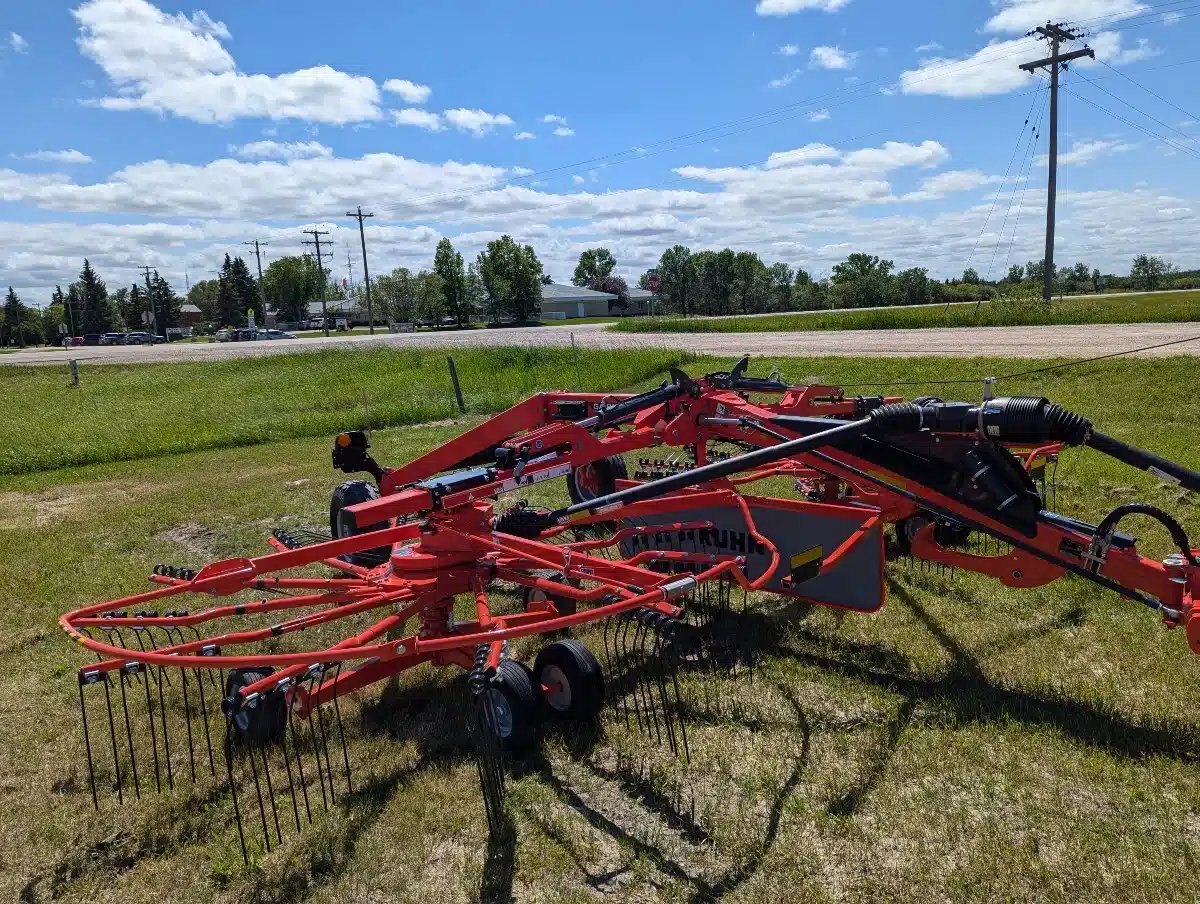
1015	341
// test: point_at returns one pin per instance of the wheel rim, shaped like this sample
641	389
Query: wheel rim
501	713
587	481
555	688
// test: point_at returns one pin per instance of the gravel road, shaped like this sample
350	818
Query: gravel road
1023	342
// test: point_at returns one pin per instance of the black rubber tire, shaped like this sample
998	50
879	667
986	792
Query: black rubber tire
516	705
265	722
350	493
595	479
564	604
571	665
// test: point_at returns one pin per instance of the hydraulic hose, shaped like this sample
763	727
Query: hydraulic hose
1145	461
1178	536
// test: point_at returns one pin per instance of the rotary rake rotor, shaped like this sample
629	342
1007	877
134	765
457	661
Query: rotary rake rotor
235	672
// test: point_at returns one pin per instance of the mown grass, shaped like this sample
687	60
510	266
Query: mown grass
131	411
1149	308
969	743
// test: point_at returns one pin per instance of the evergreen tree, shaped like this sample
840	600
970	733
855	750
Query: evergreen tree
229	311
95	312
135	306
165	304
74	310
10	326
245	290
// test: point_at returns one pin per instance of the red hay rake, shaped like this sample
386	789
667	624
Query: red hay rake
245	660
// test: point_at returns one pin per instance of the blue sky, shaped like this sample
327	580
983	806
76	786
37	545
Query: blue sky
168	134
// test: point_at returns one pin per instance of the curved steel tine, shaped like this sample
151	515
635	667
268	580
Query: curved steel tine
312	734
661	682
674	652
237	809
643	673
337	711
87	744
205	718
270	791
325	749
137	785
291	729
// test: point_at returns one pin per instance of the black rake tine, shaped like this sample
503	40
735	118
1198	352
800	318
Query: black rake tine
661	681
137	785
141	670
262	810
628	670
270	791
237	810
312	733
159	679
325	748
87	743
620	629
204	720
645	674
337	713
291	726
287	760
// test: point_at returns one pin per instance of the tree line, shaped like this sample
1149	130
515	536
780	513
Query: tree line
504	282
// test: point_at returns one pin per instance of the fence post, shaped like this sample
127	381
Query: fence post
74	372
575	355
457	389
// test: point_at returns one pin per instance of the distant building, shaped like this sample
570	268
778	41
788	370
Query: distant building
561	302
190	315
643	301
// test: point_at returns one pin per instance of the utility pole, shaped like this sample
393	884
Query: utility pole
316	243
362	237
1055	34
350	267
262	297
150	301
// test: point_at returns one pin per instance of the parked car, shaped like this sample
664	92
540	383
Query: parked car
92	339
112	339
142	338
222	335
276	334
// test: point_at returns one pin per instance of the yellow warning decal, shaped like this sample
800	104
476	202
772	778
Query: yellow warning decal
807	557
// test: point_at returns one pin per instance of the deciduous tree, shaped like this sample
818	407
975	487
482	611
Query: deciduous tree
594	263
448	265
677	272
512	275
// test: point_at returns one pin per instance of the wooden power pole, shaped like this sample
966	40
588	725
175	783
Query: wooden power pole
262	293
316	243
1055	34
362	237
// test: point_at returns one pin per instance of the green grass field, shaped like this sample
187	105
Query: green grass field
1181	307
124	412
969	743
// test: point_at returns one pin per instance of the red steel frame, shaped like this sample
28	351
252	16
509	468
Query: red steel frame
444	546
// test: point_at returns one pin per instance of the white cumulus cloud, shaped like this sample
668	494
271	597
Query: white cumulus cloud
789	7
825	57
177	64
415	116
1084	152
1018	16
280	150
71	156
524	136
409	92
476	122
564	131
818	116
788	50
17	43
784	80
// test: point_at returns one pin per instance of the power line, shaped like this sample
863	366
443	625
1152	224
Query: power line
1132	124
1135	108
1034	135
1152	93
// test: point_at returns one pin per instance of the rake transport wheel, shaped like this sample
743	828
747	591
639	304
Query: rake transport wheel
564	604
571	681
516	705
595	479
341	524
262	723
